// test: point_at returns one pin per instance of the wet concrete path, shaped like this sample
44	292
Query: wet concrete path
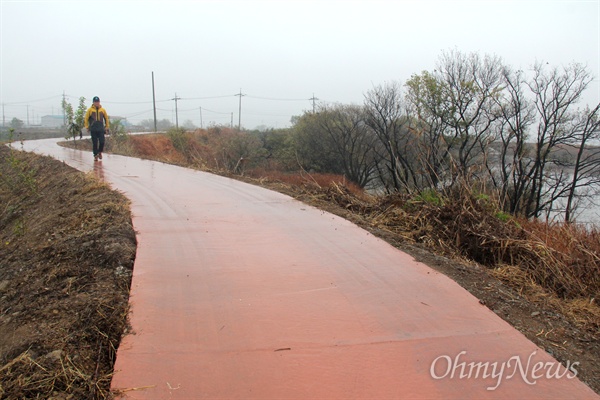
241	292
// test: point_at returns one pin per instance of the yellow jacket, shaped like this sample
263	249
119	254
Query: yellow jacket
96	119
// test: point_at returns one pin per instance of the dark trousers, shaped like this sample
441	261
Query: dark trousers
97	142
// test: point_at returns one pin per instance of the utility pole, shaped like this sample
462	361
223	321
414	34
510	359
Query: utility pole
240	110
231	123
63	110
176	115
201	127
154	102
313	101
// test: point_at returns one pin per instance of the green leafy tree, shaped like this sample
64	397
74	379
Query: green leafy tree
80	114
69	119
279	151
74	119
118	132
426	104
336	140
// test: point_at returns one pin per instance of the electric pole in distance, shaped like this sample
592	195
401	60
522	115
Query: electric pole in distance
154	101
240	110
176	116
313	101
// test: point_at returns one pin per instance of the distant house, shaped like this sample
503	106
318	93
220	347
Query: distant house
53	121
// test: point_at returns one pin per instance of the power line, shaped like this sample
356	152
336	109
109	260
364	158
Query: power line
138	113
70	97
216	112
34	101
274	99
201	100
268	115
136	102
207	98
188	109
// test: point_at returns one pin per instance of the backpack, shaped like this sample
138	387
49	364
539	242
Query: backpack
96	120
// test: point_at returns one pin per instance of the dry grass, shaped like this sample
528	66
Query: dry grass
316	182
67	371
156	147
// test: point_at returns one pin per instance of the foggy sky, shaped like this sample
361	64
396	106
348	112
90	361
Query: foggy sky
278	53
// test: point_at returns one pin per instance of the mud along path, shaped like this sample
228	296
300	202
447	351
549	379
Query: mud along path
241	292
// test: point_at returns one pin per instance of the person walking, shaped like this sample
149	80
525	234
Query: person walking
97	123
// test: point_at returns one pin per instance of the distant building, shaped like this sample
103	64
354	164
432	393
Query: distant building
53	121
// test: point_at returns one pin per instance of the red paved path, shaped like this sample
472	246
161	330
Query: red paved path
240	292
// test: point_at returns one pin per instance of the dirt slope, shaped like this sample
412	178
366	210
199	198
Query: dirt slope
66	254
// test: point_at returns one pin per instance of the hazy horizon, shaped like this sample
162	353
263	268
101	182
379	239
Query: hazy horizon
278	53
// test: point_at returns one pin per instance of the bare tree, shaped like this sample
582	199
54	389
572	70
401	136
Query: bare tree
556	94
517	115
469	85
387	119
586	168
543	141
